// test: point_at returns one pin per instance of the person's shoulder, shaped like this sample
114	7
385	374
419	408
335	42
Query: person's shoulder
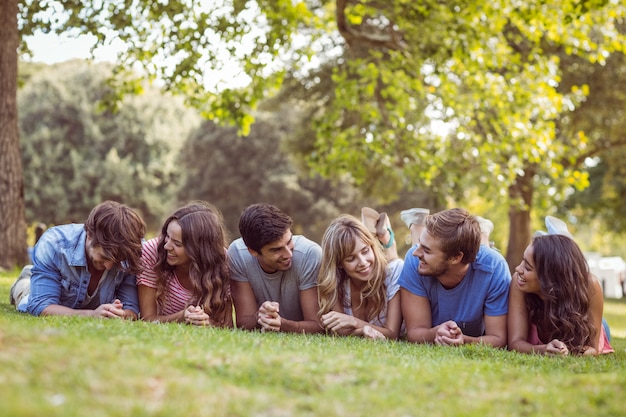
63	235
304	244
238	249
237	244
151	245
489	259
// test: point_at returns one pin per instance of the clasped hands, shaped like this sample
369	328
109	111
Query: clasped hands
112	310
268	317
449	334
197	316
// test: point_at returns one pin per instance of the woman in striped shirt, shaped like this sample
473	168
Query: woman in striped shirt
186	277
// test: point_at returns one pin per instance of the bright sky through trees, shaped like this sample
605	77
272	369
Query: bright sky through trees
53	48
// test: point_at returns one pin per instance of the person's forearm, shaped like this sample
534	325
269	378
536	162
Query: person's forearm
248	322
422	335
304	326
523	346
492	340
358	330
176	317
59	310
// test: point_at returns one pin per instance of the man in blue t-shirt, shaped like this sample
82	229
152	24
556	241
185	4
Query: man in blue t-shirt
453	289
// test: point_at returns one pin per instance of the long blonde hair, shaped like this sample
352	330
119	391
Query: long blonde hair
338	243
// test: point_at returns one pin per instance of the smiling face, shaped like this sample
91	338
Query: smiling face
359	265
276	256
433	261
176	253
525	276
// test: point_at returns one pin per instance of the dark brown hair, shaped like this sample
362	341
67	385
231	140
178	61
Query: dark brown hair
565	284
262	224
204	240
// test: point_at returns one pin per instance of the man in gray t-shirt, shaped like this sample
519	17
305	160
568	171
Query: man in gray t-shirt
274	273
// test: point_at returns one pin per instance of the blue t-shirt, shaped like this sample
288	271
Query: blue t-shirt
484	291
60	275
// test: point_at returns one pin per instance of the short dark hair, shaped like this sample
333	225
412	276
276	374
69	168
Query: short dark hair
118	230
261	224
458	230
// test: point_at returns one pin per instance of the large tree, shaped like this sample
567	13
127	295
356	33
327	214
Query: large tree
12	222
483	70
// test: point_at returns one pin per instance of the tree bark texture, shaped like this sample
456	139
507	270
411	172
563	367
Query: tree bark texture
521	194
12	213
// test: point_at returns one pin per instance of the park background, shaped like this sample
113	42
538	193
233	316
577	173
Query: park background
507	109
510	109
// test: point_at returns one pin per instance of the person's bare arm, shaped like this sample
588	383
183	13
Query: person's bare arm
418	318
517	326
310	307
347	325
148	307
596	309
245	305
495	332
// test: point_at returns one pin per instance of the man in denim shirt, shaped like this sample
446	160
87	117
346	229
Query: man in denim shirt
453	289
86	269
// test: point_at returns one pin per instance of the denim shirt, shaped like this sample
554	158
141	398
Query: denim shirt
60	275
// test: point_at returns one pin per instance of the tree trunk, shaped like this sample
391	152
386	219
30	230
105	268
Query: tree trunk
12	217
521	194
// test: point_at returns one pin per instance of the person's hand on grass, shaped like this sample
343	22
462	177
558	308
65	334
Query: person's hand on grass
589	350
112	310
556	347
372	333
268	316
197	316
335	321
449	334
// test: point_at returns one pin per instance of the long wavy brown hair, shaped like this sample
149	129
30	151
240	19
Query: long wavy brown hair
204	240
563	311
338	243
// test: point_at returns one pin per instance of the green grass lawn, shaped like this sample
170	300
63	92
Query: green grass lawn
54	366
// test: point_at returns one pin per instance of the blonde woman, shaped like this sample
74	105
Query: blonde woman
358	288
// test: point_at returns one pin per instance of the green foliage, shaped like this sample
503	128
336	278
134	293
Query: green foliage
197	39
488	72
233	172
75	154
602	118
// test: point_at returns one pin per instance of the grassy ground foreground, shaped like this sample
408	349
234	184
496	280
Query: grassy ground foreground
89	367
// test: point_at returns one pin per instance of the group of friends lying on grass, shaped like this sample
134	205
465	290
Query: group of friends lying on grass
450	289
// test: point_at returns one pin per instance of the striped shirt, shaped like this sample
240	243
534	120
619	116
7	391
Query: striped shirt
176	296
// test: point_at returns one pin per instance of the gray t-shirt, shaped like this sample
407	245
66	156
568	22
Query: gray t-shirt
282	286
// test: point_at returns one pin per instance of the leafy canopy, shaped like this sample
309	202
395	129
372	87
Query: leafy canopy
465	92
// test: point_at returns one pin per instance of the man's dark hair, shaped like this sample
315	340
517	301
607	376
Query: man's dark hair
261	224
